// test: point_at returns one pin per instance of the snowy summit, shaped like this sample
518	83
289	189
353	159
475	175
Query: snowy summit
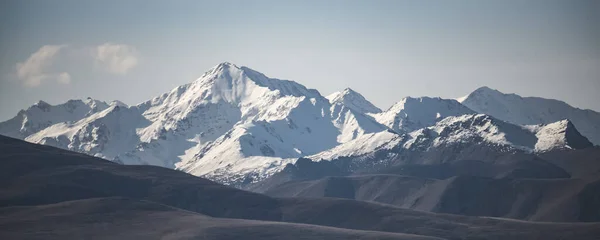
234	124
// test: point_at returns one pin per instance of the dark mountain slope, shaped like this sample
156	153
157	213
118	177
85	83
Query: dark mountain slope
578	163
25	196
379	217
530	199
122	218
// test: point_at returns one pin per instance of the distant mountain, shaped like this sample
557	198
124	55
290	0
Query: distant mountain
455	134
230	124
42	115
410	114
353	100
532	110
236	125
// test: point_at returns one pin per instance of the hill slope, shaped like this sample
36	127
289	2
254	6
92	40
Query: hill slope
529	199
44	179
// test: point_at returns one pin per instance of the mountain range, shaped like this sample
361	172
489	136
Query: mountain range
236	126
236	154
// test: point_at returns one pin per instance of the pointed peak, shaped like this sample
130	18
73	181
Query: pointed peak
487	90
346	93
89	100
226	64
118	103
564	125
41	105
560	134
220	68
350	91
480	92
352	99
233	83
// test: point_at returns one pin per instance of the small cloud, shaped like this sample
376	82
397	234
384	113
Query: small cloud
63	78
35	69
57	62
116	58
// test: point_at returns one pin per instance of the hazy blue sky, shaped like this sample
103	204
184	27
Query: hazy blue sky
134	50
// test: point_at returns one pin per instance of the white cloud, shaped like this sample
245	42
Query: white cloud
35	69
57	62
63	78
116	58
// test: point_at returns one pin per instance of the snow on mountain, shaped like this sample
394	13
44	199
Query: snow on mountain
103	134
353	100
304	130
481	128
234	124
234	117
532	110
410	114
364	144
42	115
561	134
477	128
282	123
229	124
465	130
352	124
349	111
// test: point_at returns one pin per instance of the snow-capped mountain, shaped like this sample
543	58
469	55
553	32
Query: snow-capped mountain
410	114
234	124
481	128
456	132
232	121
532	110
233	112
42	115
105	134
561	134
280	121
353	100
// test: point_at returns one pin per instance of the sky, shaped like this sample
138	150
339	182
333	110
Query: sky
134	50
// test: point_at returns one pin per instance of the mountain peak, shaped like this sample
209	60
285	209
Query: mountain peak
485	89
225	65
349	91
481	91
410	113
221	68
532	111
117	103
229	79
562	134
353	100
41	104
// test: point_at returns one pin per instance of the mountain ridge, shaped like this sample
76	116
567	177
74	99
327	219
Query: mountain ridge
236	124
532	110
